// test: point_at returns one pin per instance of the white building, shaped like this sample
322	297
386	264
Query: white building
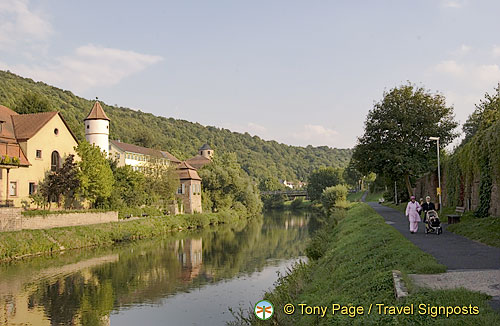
97	128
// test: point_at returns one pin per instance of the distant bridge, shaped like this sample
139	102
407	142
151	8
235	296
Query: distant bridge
288	193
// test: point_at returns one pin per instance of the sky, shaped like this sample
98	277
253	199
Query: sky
299	72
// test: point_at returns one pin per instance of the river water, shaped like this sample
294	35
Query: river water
186	278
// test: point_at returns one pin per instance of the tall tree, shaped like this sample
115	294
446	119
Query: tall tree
95	175
487	112
396	142
161	182
63	182
32	102
321	179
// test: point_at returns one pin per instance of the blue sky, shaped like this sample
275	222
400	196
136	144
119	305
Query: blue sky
299	72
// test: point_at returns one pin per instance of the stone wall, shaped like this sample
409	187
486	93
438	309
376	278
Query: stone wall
11	219
469	198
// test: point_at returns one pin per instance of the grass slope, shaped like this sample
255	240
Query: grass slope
352	259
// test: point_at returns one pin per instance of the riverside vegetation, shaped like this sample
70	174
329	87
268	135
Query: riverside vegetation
350	263
229	196
24	243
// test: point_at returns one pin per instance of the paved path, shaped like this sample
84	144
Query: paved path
471	264
450	249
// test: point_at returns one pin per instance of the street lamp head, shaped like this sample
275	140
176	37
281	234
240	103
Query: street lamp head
433	138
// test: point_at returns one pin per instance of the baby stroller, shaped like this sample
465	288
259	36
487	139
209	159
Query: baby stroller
432	223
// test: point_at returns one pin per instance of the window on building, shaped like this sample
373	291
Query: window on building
38	153
32	188
13	188
55	161
56	131
88	126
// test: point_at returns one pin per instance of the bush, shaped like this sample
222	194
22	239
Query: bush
332	195
297	203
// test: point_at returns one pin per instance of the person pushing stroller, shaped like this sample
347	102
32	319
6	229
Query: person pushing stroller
426	207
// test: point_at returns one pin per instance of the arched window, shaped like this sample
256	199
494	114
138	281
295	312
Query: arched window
55	161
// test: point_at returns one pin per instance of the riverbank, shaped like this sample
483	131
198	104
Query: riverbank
351	263
20	244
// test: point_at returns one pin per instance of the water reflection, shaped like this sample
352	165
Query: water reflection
85	287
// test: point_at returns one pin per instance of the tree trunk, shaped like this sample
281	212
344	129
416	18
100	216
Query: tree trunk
408	185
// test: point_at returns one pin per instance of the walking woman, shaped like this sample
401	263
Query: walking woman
413	214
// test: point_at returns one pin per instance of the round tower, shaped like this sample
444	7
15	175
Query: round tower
206	151
97	128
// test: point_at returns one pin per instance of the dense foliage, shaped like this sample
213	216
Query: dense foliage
478	160
226	186
396	143
321	179
333	196
487	112
182	138
58	186
94	173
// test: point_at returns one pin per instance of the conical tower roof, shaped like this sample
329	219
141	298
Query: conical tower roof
205	147
97	113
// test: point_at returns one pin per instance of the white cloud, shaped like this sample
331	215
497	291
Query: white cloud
89	66
453	3
20	25
256	128
316	135
496	51
473	75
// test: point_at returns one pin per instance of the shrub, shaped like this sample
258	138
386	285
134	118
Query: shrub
332	195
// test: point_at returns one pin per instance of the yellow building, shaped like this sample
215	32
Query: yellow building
34	144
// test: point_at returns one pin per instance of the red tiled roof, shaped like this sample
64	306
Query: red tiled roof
145	151
198	161
97	113
14	150
20	127
27	125
187	172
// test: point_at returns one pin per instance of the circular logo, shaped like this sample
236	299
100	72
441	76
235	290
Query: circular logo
263	309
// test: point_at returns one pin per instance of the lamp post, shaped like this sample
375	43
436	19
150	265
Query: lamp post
439	173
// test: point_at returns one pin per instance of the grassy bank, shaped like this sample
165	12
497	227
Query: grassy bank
297	204
352	257
355	196
374	196
32	242
485	230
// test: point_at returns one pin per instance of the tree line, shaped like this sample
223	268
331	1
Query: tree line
259	158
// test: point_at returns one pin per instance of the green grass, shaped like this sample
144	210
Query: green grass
31	242
299	204
374	196
485	230
352	257
355	196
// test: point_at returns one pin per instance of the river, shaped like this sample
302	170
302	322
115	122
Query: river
186	278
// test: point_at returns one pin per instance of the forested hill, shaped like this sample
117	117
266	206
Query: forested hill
182	138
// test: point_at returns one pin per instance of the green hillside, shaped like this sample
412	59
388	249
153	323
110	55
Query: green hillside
182	138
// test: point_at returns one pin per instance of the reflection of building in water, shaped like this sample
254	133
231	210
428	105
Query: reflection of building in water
295	222
190	254
41	298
